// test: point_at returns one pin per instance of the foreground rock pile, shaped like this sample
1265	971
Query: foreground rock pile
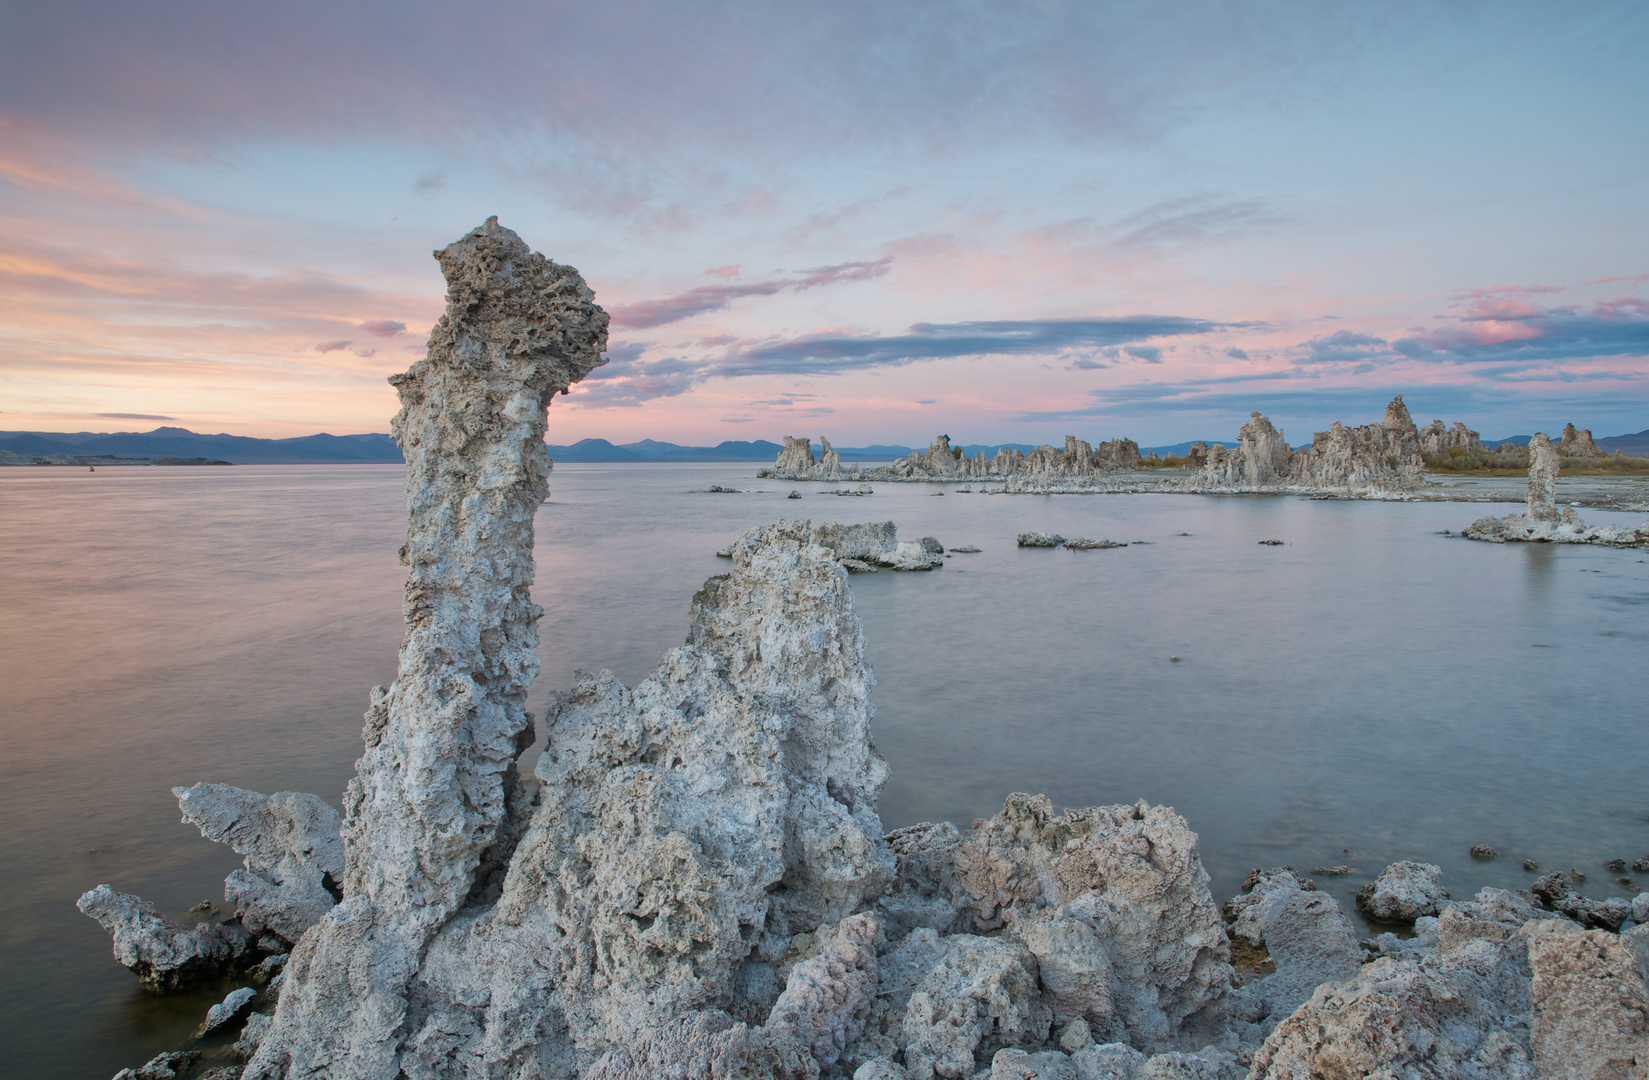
699	885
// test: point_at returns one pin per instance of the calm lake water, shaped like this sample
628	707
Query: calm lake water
1369	691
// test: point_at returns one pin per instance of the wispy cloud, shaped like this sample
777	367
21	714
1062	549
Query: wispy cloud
384	328
823	354
134	416
646	314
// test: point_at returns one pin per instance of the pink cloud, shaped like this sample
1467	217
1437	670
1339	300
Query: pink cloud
331	346
729	271
1499	290
383	327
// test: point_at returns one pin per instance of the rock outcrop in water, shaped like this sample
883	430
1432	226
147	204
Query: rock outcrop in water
1543	521
700	885
1378	460
294	854
165	956
436	807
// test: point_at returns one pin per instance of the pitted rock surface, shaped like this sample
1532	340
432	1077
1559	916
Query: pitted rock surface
294	854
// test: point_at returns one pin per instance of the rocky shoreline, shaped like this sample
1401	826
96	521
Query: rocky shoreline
699	885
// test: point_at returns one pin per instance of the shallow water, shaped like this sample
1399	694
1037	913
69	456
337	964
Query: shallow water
1368	691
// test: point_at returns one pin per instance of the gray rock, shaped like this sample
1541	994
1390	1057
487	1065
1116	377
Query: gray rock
1640	908
252	1034
436	806
880	1069
1590	1004
1040	539
1543	468
294	854
227	1011
1108	1061
166	1066
1306	934
1083	543
982	996
1133	875
1403	892
162	954
1016	1064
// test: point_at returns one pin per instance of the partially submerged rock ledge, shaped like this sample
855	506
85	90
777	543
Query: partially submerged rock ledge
700	885
1543	521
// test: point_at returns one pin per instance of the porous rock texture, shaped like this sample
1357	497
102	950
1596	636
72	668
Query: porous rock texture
1591	1004
877	543
436	805
1306	935
294	854
1544	464
1126	879
164	955
700	885
1403	892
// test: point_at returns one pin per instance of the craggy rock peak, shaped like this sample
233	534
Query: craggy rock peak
1383	458
436	805
1579	443
1436	439
1544	522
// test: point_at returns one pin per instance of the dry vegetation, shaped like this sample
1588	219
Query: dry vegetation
1511	460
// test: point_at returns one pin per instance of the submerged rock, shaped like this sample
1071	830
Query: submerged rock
294	853
162	954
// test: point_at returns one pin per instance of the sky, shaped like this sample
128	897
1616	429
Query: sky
1005	221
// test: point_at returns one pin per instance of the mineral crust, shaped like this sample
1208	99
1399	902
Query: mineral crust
700	885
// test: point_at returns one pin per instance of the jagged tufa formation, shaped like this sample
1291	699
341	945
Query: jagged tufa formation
435	805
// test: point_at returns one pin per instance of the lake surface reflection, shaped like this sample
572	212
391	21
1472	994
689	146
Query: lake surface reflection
1368	691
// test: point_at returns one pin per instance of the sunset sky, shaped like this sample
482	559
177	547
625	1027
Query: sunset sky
877	221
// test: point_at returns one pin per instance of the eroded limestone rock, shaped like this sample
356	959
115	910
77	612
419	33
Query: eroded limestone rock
1403	892
435	808
294	853
227	1011
1544	464
1579	443
162	954
981	997
1591	1003
1132	875
1306	935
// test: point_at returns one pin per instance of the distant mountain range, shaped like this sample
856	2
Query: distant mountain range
176	442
